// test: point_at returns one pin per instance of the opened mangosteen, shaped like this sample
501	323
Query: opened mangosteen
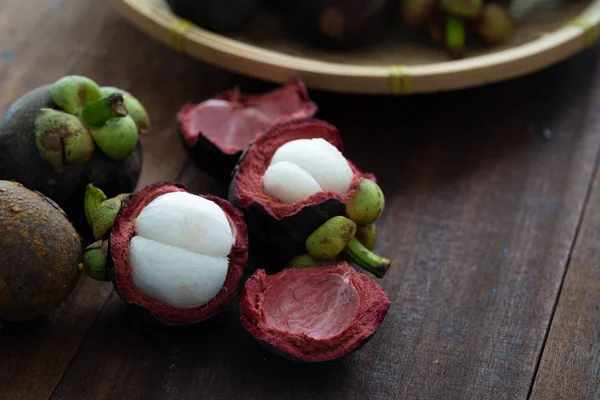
301	196
177	255
217	131
217	15
57	138
313	314
41	254
340	23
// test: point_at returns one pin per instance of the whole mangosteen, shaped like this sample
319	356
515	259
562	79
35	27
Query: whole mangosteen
57	138
177	255
340	23
217	131
217	15
313	314
41	254
301	197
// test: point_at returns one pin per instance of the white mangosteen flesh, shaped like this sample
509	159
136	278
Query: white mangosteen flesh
318	158
179	255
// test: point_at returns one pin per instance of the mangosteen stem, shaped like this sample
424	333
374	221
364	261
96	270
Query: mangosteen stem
455	35
97	113
366	259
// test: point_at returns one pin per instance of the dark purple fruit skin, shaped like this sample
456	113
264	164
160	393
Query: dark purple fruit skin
274	242
209	157
21	161
365	21
217	15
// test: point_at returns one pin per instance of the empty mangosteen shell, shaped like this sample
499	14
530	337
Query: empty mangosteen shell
220	163
276	240
119	270
20	161
41	252
374	305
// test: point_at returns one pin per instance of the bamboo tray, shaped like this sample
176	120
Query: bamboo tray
403	64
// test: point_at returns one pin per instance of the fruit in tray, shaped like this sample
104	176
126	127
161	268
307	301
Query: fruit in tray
216	15
454	22
41	252
58	137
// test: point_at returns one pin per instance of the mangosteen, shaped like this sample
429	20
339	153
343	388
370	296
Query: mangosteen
178	255
300	195
217	15
313	314
57	138
216	131
496	24
41	254
340	24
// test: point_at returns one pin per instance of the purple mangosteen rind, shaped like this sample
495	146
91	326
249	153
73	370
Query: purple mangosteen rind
119	269
209	157
219	161
373	305
277	240
65	188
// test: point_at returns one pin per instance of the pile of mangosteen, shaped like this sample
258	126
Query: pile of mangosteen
335	24
305	213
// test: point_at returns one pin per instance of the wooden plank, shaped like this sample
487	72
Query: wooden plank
570	364
484	191
45	40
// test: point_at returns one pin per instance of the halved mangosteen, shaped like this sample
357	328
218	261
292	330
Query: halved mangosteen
178	255
217	131
300	195
313	314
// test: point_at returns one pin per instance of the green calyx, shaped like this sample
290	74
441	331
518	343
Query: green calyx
336	239
304	261
367	234
101	212
117	138
368	203
93	198
329	239
72	93
62	140
112	118
134	107
94	260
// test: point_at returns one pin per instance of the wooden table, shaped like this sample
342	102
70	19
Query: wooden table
492	222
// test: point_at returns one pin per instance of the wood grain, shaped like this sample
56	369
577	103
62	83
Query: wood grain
41	41
570	365
484	192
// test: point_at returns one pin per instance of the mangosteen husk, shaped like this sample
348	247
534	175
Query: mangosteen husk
313	314
41	253
119	269
206	149
20	161
278	231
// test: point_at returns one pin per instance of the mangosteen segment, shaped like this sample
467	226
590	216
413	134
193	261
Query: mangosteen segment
315	313
178	255
306	166
216	131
